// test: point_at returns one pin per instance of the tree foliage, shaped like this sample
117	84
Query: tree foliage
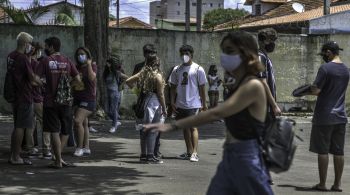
65	16
220	16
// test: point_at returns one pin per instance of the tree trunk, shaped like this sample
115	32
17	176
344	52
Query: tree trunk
96	14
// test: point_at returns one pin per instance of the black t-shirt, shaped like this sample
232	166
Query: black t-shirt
332	79
138	67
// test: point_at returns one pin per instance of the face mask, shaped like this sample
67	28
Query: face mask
270	47
47	52
186	58
82	58
28	49
230	62
325	58
38	55
151	57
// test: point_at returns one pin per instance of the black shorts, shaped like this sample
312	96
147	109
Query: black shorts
58	119
87	105
23	115
328	139
184	113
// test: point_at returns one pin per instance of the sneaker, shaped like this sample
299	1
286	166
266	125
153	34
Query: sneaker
119	123
86	151
194	157
47	155
184	156
92	130
112	130
78	152
33	154
153	160
158	155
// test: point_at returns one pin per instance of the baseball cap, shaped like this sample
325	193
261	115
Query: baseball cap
331	46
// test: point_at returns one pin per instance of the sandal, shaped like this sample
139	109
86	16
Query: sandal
334	189
318	188
20	162
66	164
54	166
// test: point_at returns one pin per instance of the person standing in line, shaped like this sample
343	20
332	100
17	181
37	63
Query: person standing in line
330	118
57	116
188	88
214	83
19	66
241	170
84	99
151	82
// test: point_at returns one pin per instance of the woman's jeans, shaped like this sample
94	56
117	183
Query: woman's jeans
241	171
113	98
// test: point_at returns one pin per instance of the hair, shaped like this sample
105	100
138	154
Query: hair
148	74
266	33
186	48
86	50
23	38
248	48
54	42
211	69
37	46
149	48
114	61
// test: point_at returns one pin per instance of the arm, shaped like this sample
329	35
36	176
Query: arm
173	97
203	97
91	72
160	93
314	91
131	80
270	98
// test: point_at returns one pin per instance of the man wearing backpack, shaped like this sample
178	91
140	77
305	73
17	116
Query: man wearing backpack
22	78
56	69
188	86
329	120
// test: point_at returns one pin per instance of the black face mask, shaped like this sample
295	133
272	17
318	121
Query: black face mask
325	58
151	57
47	52
270	47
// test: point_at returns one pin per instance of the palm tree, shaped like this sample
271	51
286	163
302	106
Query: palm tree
65	16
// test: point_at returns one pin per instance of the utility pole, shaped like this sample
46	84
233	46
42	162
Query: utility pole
326	7
199	15
187	15
117	4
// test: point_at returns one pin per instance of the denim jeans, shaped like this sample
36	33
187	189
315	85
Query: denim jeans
241	171
113	98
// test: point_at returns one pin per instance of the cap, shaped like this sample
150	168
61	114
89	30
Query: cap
332	46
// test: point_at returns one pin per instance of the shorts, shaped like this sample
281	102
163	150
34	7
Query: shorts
328	139
23	115
58	119
87	105
184	113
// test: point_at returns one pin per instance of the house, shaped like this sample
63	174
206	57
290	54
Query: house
175	24
130	22
282	16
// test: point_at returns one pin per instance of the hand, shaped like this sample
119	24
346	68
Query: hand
204	108
157	127
89	62
277	111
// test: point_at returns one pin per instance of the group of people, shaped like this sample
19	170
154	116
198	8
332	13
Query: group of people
248	108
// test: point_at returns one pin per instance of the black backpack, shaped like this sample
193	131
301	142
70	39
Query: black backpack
278	145
9	92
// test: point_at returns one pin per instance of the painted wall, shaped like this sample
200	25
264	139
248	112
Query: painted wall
331	24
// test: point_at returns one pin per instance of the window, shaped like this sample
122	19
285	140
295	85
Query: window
219	5
178	12
211	4
204	4
194	4
178	3
258	10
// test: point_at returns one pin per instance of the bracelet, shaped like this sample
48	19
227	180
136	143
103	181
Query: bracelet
174	126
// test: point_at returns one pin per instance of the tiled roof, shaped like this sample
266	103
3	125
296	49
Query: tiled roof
298	17
127	19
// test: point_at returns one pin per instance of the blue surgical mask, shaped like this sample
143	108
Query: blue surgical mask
230	62
82	58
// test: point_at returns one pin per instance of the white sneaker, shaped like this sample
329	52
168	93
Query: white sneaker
119	123
112	130
92	130
194	157
78	152
87	151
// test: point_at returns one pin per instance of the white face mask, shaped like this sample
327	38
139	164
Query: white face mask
230	62
186	58
38	55
82	58
28	49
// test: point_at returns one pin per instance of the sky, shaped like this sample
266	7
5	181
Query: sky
136	8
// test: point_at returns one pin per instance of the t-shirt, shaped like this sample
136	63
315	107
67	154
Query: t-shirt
332	78
138	67
88	93
188	79
37	91
21	69
51	68
111	82
215	82
268	73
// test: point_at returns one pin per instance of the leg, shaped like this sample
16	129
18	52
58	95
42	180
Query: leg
79	118
56	143
143	145
188	140
216	99
16	141
211	99
86	143
338	170
322	169
64	140
29	139
194	137
151	141
157	146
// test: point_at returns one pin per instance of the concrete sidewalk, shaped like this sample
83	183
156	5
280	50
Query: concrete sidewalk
114	168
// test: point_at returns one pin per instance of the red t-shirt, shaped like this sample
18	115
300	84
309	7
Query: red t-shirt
51	68
89	91
22	69
37	91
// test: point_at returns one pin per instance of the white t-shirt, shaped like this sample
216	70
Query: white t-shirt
215	83
188	79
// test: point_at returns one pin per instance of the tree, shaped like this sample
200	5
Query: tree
65	16
96	39
220	16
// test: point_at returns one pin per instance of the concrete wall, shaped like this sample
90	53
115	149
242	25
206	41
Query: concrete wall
295	58
331	24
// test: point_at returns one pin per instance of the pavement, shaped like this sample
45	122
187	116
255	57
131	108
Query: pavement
114	168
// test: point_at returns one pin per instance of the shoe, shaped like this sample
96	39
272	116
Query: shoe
33	154
194	157
184	156
119	123
92	130
112	130
47	155
86	151
153	160
78	152
143	158
158	155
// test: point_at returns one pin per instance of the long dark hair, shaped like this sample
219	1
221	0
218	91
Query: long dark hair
211	69
114	61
